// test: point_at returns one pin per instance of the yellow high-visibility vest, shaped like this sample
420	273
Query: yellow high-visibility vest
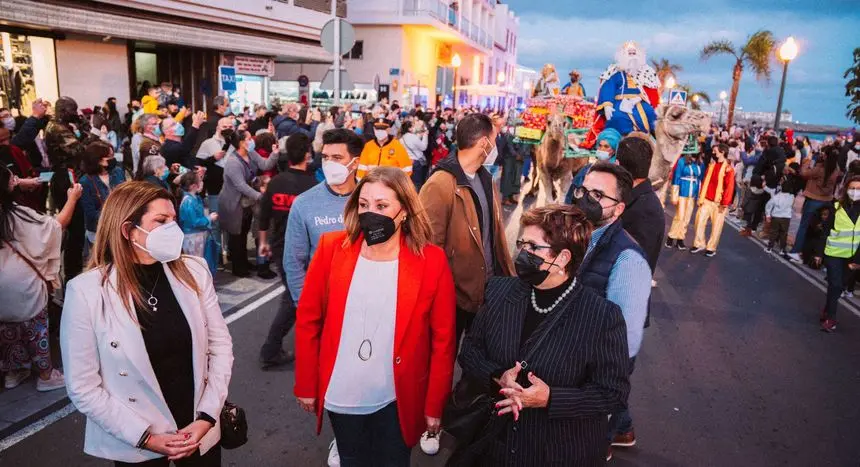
844	237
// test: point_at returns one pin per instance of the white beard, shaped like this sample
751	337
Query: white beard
631	63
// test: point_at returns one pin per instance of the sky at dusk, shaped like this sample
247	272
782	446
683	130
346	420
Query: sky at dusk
585	35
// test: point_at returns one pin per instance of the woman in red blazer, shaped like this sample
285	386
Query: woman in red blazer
375	326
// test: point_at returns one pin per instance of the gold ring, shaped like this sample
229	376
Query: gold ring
185	443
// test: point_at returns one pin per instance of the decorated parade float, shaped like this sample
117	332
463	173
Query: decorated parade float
563	126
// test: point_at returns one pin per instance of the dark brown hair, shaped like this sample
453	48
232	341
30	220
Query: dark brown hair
92	157
845	200
564	228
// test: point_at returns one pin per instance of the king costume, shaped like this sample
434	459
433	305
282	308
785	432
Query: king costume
718	191
686	182
627	95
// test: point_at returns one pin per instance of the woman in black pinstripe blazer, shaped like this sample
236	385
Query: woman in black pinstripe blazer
554	407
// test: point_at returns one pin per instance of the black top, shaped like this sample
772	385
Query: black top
278	200
544	299
175	152
167	337
645	221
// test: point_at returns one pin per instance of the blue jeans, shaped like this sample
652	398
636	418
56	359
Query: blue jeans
212	204
371	440
809	208
621	422
527	166
835	277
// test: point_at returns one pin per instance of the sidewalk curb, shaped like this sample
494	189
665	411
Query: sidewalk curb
32	418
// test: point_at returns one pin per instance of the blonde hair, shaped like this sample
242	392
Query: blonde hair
129	202
416	228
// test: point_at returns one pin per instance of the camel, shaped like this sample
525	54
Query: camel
552	173
674	125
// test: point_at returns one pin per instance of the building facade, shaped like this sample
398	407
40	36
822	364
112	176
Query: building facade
429	50
92	50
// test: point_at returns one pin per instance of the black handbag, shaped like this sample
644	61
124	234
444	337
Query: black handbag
471	406
234	426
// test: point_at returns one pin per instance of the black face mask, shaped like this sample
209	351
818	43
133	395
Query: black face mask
592	209
111	163
377	228
528	268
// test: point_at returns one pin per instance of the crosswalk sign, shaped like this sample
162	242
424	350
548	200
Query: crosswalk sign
677	97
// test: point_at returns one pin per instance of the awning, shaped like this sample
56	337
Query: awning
71	19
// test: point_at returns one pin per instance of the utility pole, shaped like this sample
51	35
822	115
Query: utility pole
338	54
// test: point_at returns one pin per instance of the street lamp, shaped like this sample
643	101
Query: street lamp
787	53
670	82
723	96
455	63
500	78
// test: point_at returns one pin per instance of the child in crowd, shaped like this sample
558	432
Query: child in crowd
778	211
195	223
816	236
753	206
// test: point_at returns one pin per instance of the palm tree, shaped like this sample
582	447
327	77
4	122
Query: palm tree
755	53
664	69
695	98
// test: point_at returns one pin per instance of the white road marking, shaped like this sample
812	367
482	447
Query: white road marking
36	427
255	304
69	409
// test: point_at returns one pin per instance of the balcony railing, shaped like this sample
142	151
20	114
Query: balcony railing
442	12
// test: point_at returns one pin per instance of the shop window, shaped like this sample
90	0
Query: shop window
27	71
357	52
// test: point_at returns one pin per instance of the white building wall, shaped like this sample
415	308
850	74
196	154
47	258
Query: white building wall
383	50
90	70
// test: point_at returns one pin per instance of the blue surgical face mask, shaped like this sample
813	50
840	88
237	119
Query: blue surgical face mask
157	130
252	145
165	174
78	134
180	130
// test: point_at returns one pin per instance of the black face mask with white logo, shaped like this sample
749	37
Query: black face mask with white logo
592	209
528	268
377	228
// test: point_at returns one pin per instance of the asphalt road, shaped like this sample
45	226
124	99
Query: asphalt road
733	372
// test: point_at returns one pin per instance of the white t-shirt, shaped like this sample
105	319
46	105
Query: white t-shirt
359	387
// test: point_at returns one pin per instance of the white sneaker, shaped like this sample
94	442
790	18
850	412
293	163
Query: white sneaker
14	379
430	443
795	258
56	381
847	294
333	455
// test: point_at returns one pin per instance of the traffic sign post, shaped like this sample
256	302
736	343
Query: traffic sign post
677	97
336	36
227	78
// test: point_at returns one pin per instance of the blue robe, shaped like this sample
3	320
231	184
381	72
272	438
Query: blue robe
622	86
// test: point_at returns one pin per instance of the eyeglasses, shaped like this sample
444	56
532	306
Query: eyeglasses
531	246
596	195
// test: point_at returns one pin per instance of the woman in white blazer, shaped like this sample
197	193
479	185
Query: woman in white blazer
146	351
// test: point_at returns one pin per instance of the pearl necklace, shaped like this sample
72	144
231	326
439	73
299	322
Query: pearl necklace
544	311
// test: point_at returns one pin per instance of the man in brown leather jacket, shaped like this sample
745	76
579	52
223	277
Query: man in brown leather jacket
465	214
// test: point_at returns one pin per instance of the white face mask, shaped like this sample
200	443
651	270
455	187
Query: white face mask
9	123
491	157
163	243
602	155
854	195
335	173
381	135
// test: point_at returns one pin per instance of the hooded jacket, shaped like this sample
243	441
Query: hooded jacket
455	217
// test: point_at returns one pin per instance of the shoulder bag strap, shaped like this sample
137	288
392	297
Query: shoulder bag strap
32	266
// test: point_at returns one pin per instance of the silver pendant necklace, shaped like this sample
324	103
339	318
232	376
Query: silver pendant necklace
564	294
365	349
152	301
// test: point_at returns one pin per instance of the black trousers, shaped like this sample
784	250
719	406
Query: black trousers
464	322
372	440
211	459
238	245
73	245
284	320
